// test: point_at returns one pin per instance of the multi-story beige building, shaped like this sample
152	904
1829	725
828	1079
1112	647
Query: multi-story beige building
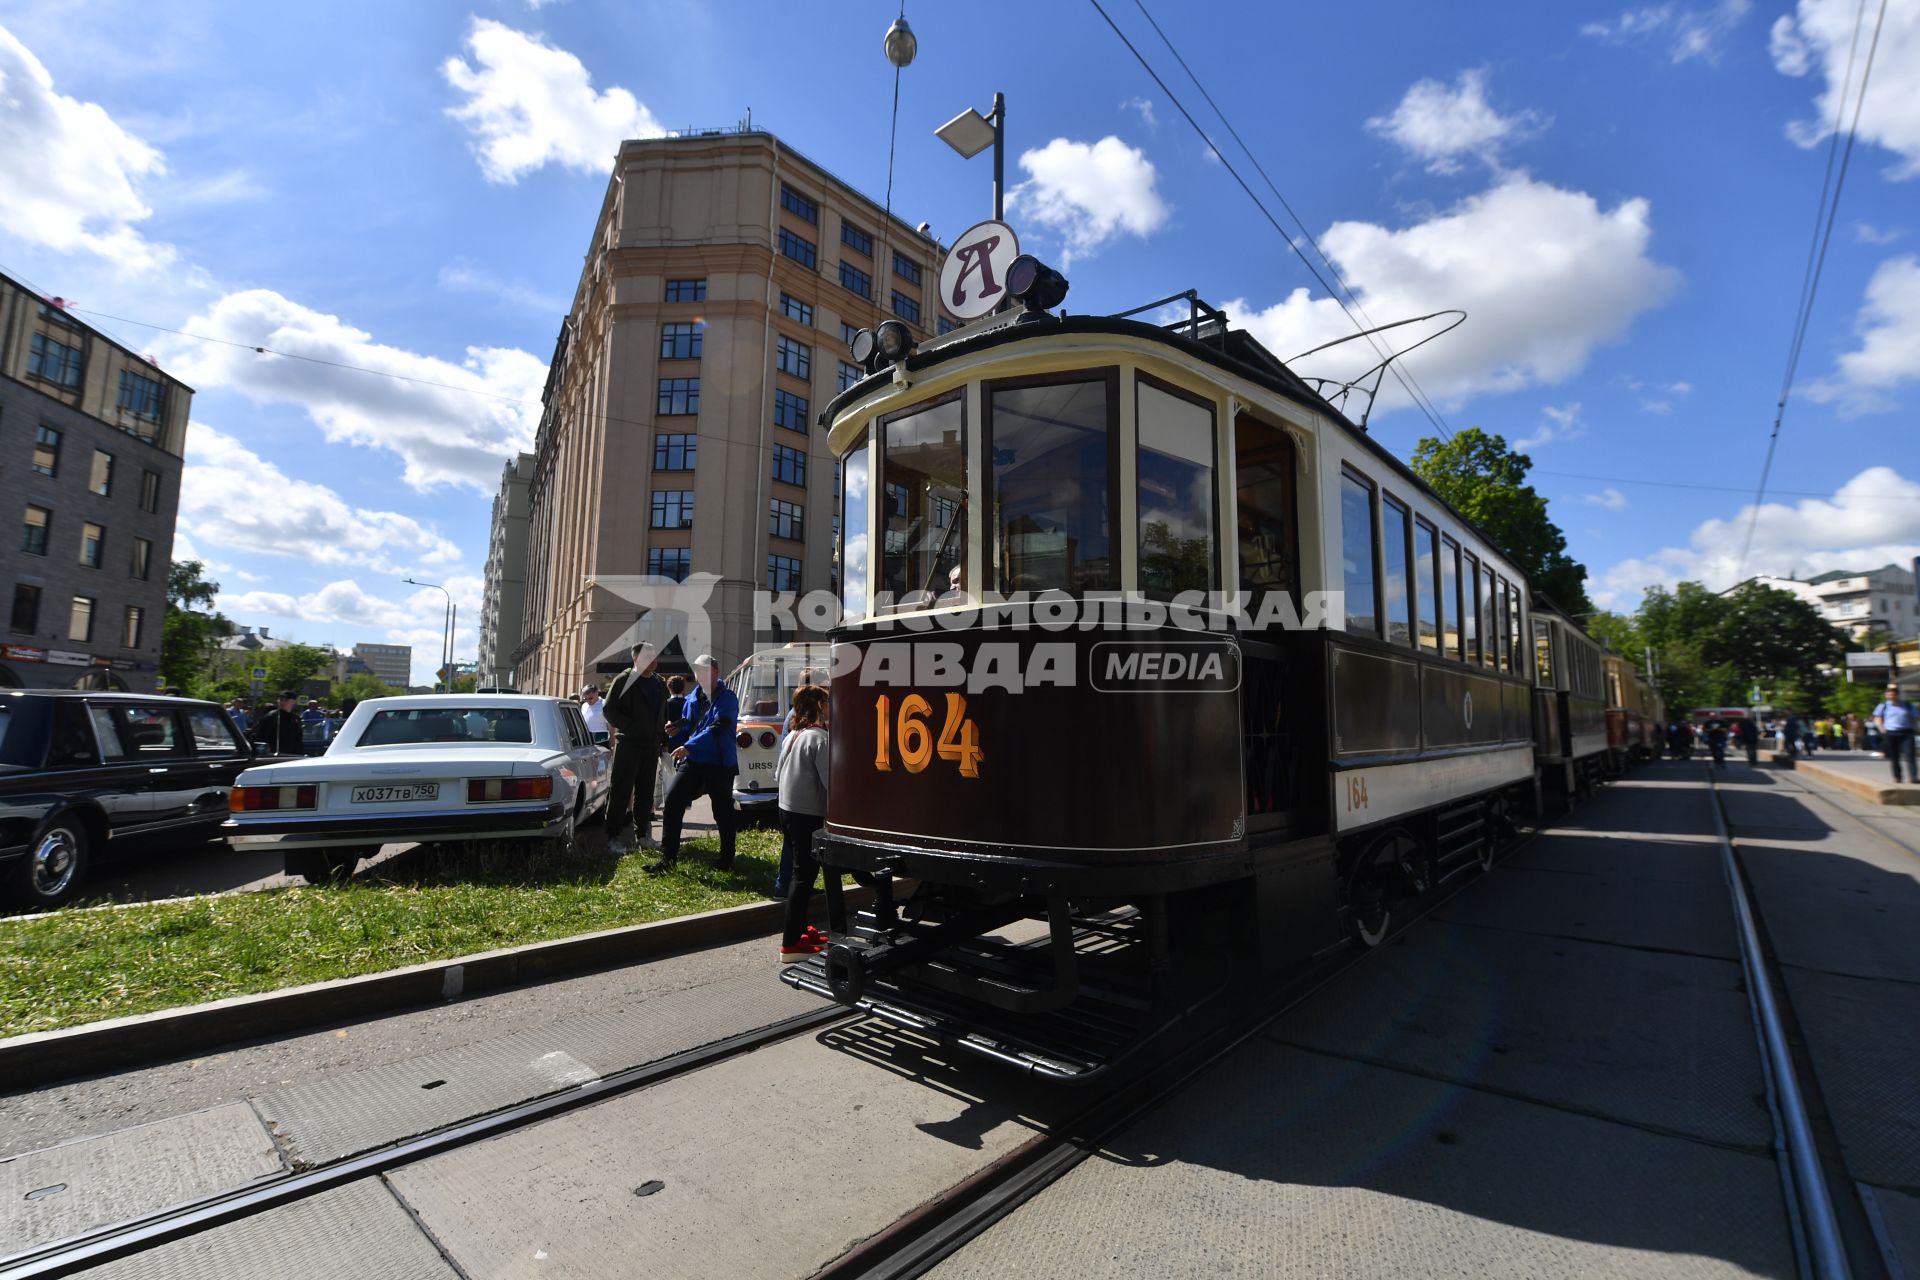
92	437
503	607
709	328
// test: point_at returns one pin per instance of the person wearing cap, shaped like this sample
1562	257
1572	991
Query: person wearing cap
593	710
1897	721
636	709
279	731
706	760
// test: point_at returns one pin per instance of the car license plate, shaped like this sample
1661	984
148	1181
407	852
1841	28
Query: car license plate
394	795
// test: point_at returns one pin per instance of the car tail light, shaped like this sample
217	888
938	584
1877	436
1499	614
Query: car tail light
484	790
254	799
766	739
743	739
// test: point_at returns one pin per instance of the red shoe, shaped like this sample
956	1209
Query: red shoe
800	950
811	934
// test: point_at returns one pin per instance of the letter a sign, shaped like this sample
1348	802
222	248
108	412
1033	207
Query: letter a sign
973	278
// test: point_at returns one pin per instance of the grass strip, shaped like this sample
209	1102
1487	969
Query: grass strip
74	966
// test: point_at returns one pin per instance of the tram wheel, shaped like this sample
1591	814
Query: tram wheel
1499	828
1388	873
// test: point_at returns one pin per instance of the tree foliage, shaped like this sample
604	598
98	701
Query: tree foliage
1486	482
1713	650
291	666
187	633
363	686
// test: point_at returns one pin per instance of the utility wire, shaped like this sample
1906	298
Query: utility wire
1258	203
1408	382
1817	254
1717	488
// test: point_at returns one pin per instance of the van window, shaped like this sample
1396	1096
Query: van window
211	735
1357	554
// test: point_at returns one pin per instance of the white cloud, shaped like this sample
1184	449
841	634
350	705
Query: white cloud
1562	424
1546	276
417	618
69	175
1867	233
1820	37
1088	193
235	500
449	423
1439	125
1872	520
528	104
1692	33
1145	107
1610	498
1888	357
466	277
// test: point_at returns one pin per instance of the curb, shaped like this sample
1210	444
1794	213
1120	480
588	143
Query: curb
49	1057
1885	793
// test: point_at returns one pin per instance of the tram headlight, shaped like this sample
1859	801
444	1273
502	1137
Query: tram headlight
860	347
895	341
1038	286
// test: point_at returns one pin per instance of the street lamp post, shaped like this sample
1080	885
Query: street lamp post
446	640
970	133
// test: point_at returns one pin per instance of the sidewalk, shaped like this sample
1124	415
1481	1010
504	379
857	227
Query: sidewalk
1868	776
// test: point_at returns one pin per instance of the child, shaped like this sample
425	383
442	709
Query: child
802	774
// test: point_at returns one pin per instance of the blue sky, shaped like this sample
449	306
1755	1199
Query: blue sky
1622	198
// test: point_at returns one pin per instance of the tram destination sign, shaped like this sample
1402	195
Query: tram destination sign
973	279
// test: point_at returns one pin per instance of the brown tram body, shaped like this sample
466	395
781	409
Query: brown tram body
1356	711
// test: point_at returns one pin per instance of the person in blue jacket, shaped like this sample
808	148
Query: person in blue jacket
706	760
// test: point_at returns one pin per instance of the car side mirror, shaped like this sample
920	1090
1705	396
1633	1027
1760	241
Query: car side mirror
601	737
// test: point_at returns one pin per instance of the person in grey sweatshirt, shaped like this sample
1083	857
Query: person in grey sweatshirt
802	774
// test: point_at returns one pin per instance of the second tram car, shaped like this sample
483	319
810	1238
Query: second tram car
1144	640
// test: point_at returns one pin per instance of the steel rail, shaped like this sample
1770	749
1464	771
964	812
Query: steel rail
139	1235
1809	1200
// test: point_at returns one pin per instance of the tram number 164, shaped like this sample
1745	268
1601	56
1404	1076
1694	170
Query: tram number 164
1356	789
959	739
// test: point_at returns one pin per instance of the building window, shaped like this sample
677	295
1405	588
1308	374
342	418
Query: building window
680	341
850	374
783	573
847	333
793	357
141	396
150	491
26	608
93	542
798	205
1357	554
679	395
38	518
687	290
54	361
854	280
80	621
944	325
906	308
794	309
101	478
907	269
674	453
799	248
789	465
142	567
56	315
672	509
856	239
789	410
46	451
786	520
130	629
670	562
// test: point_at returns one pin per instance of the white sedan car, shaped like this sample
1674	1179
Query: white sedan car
434	767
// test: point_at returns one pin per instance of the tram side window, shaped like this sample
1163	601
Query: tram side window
1470	607
854	485
1543	653
1395	582
1489	618
923	466
1499	603
1357	554
1175	466
1453	632
1426	550
1051	448
1263	506
1514	630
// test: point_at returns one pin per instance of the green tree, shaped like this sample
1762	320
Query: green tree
364	686
1486	482
464	684
1713	649
291	666
187	633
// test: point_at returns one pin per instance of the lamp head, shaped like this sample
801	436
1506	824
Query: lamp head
1038	286
900	43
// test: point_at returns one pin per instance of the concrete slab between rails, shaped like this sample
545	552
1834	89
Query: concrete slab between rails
47	1057
1866	778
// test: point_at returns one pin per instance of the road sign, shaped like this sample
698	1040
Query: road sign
259	673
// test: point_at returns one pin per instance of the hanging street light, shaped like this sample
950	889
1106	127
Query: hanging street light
901	46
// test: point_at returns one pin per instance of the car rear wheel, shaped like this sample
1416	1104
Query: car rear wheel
54	867
325	866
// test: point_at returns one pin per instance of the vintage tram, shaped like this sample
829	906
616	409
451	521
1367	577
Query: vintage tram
1636	716
1148	650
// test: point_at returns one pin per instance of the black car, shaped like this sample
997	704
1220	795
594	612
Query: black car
80	770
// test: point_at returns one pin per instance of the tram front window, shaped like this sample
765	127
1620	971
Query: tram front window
1175	463
924	522
1052	486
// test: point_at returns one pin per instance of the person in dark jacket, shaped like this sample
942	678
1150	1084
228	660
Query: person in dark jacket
1748	734
279	732
635	707
706	762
